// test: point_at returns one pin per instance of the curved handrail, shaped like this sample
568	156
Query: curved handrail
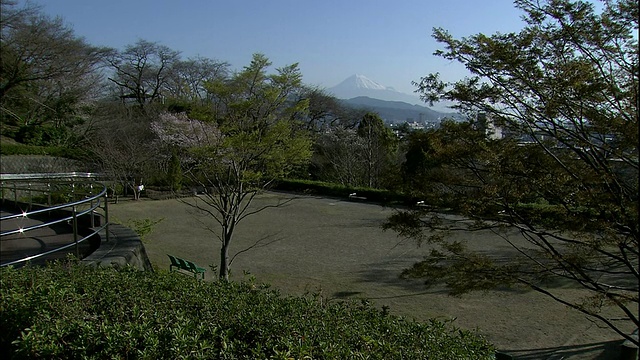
97	206
39	226
39	176
96	197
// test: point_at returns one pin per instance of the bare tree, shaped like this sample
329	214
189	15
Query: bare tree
338	157
46	71
123	144
378	151
327	112
189	77
356	157
142	70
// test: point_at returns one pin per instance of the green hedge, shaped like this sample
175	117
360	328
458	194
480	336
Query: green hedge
74	311
21	149
337	190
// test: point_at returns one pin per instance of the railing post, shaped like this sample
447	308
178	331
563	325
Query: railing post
93	222
30	195
75	231
106	214
93	214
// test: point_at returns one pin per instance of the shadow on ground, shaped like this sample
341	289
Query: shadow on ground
388	273
605	350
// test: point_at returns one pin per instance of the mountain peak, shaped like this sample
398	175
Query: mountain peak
360	85
361	82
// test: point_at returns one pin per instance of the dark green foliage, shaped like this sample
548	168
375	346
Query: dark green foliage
54	198
174	173
44	135
564	93
71	311
65	152
437	268
437	157
48	74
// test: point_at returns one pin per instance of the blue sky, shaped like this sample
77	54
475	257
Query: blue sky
387	41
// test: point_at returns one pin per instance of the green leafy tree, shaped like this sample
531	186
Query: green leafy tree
565	92
255	142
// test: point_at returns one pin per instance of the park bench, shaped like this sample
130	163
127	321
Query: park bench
178	264
355	197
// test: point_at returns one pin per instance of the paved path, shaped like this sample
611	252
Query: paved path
21	245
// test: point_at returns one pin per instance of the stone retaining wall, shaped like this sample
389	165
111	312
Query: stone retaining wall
124	248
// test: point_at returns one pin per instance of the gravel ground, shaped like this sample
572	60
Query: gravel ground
337	248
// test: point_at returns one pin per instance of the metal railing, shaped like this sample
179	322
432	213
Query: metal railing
77	199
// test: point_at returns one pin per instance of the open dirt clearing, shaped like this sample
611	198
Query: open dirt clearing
337	248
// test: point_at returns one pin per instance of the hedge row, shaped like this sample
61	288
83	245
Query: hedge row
73	311
64	152
337	190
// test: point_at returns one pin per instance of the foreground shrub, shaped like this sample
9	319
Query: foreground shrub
73	311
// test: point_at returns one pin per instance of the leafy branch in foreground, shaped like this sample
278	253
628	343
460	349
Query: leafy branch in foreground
560	187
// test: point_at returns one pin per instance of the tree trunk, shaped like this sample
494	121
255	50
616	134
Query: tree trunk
224	260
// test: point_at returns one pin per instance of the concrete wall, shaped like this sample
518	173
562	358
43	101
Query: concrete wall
123	248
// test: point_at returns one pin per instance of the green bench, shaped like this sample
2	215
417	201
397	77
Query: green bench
178	264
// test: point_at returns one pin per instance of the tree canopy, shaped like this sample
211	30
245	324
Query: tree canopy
564	91
46	73
251	140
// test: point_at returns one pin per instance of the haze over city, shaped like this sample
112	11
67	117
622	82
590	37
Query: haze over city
389	42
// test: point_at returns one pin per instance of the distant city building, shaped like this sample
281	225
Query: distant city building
415	125
485	123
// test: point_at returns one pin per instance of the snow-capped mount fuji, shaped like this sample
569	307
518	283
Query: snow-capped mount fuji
363	82
360	85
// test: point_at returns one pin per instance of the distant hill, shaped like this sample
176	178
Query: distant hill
398	111
392	105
